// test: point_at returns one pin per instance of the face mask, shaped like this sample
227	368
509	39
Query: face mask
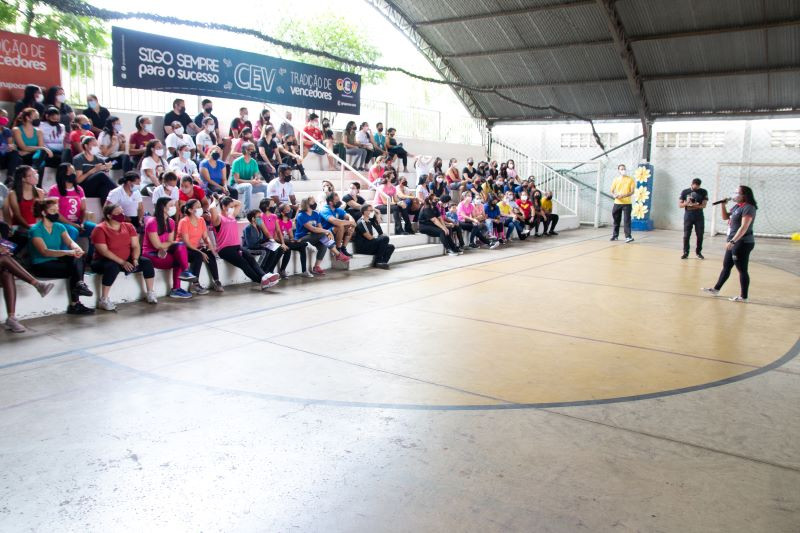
3	122
198	212
511	165
186	154
179	131
118	217
52	121
39	98
210	128
287	178
159	152
230	211
469	163
215	156
209	109
524	197
622	172
313	207
371	215
117	128
246	117
354	192
72	178
86	126
171	210
95	150
36	122
92	104
182	110
338	205
52	217
380	130
271	209
439	180
148	128
61	98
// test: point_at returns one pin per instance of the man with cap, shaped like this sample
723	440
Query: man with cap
693	200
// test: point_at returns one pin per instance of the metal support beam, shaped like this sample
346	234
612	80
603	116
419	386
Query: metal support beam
401	22
632	39
609	9
504	13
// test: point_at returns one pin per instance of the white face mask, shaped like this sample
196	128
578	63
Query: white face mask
61	98
245	118
622	172
524	197
117	128
210	128
148	128
179	131
186	154
95	150
159	152
171	210
372	214
353	192
198	212
39	98
230	211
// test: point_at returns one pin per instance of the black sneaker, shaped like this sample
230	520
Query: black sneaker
685	256
473	245
345	252
384	266
79	309
700	256
553	233
614	239
83	290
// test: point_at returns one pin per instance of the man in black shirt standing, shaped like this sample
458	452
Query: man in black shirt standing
693	200
179	113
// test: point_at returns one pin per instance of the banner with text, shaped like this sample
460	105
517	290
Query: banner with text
27	60
147	61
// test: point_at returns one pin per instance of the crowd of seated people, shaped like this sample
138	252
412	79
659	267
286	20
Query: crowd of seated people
202	182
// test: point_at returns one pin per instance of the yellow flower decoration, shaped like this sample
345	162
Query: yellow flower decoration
641	195
639	210
642	174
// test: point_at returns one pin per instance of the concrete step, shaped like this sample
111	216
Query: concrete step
400	255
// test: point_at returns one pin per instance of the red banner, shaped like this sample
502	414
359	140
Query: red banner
24	60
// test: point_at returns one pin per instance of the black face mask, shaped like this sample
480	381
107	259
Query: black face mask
337	205
182	110
215	156
209	109
36	123
72	178
287	177
52	217
52	122
380	130
271	209
313	207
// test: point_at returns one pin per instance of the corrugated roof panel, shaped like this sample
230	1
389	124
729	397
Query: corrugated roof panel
605	100
708	53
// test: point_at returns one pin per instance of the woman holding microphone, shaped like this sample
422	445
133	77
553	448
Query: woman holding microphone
740	241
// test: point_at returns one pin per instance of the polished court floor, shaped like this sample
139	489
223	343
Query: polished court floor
564	384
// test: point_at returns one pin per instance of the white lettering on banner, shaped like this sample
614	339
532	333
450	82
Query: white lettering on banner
311	93
158	63
312	81
23	55
254	78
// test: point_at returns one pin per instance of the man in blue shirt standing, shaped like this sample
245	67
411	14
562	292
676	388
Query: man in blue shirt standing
337	221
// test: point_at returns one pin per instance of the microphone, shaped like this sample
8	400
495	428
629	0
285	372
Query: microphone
724	200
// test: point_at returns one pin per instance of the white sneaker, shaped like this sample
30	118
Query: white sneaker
494	245
151	297
710	290
738	299
106	304
307	274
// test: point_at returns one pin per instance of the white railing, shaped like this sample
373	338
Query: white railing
83	74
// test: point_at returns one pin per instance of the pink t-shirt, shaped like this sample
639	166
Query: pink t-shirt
376	172
70	205
228	232
270	222
286	228
151	226
465	209
387	189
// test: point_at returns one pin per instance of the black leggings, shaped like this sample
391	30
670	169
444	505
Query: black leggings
436	231
378	247
98	185
110	270
398	220
294	165
550	224
738	257
400	152
476	231
196	261
242	260
71	268
294	246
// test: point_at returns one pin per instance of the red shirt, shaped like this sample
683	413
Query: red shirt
316	133
118	242
197	194
75	140
525	207
139	140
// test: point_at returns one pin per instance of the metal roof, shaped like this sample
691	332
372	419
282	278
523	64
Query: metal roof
611	59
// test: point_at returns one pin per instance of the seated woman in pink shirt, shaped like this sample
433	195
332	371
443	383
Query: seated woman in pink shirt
467	221
386	195
229	248
164	250
377	170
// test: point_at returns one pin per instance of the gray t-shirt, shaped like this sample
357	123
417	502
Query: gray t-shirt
286	129
735	222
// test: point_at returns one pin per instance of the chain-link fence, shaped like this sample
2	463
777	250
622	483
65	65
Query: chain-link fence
775	187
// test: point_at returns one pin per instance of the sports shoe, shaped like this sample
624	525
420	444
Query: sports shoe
79	309
106	304
384	266
452	253
303	177
738	299
283	274
187	275
151	297
180	294
44	288
196	288
494	245
343	258
526	231
553	233
318	271
700	256
13	325
269	280
628	239
82	289
307	274
345	252
613	239
460	251
710	290
685	256
474	246
217	286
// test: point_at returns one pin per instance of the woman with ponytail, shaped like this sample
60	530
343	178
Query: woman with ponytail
164	250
